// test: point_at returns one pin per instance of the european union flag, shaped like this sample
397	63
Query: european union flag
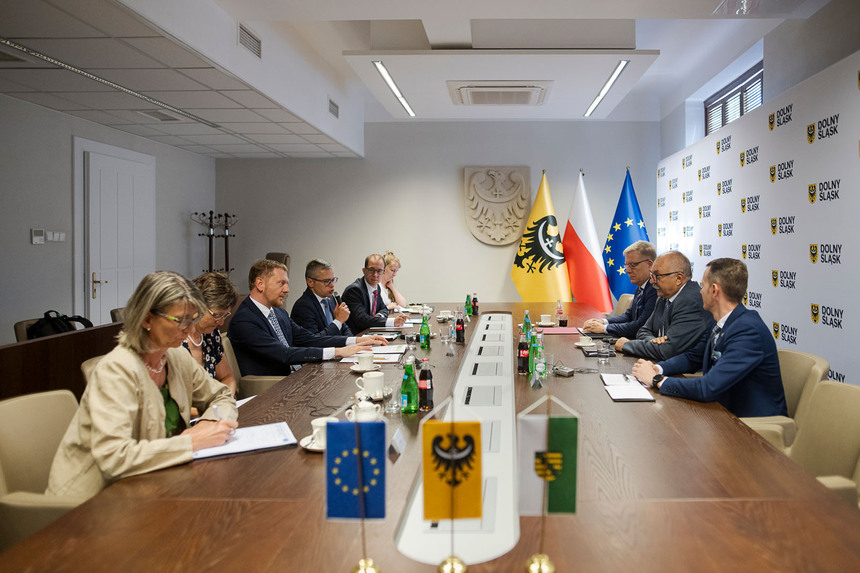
351	445
628	226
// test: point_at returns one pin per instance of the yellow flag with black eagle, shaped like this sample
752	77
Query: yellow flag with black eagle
539	271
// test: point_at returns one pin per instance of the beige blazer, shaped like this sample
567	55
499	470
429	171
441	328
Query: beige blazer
118	430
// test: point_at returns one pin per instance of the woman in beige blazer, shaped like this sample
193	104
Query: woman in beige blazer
134	415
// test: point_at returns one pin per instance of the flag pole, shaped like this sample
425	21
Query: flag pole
452	564
539	562
365	564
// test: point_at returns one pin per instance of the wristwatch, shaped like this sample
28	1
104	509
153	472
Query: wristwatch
656	380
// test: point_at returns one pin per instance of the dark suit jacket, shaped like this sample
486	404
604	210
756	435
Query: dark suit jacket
687	322
258	350
358	301
628	323
744	375
308	313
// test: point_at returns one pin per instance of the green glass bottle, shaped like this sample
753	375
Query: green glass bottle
527	326
424	334
409	388
533	352
468	307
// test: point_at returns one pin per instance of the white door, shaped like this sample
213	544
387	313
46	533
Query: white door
120	230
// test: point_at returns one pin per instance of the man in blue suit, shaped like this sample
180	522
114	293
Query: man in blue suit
678	320
267	341
316	310
738	356
638	259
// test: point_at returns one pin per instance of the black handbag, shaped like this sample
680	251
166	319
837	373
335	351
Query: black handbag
56	324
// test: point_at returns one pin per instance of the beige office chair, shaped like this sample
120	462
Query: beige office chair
116	314
801	372
828	442
31	428
247	386
624	302
21	328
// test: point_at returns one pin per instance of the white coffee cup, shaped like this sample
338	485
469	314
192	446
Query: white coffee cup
585	340
372	383
319	426
363	412
546	318
364	359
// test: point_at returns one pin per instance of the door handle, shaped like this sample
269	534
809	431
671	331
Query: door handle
96	282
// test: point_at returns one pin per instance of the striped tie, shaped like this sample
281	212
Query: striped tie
273	320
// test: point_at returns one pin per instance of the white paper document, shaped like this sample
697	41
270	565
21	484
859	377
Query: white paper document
618	379
250	439
390	349
629	393
377	358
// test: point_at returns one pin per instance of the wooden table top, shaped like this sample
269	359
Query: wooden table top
670	485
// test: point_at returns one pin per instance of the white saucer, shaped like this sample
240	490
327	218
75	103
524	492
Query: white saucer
584	344
362	395
355	368
545	323
307	443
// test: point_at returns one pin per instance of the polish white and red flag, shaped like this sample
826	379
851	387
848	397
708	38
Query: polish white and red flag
583	254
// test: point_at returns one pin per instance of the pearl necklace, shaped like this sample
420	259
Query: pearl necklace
153	370
197	344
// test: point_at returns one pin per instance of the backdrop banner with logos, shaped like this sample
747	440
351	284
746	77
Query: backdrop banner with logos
778	188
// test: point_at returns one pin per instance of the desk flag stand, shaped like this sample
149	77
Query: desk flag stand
551	465
462	464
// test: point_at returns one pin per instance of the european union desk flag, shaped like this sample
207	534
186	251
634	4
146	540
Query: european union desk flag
452	469
539	272
342	456
628	226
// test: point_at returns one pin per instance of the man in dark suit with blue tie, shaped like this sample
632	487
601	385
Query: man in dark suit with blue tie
316	310
737	356
267	341
638	259
678	320
366	308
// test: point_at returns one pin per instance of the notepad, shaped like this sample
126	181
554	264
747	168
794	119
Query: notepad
250	439
617	379
629	393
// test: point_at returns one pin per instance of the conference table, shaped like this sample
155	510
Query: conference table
670	485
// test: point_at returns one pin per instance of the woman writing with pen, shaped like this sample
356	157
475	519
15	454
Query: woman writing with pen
134	415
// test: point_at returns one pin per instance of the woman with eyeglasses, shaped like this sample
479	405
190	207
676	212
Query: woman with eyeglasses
134	416
203	340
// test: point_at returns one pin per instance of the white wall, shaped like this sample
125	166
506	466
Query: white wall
407	196
36	192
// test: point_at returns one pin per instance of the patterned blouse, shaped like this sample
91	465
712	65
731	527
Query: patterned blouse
213	351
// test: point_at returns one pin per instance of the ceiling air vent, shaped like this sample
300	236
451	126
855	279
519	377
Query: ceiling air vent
250	40
499	92
158	115
333	108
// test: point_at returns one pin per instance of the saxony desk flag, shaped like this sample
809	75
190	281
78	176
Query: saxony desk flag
452	469
539	272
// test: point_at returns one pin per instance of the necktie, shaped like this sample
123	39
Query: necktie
373	306
277	327
326	311
664	328
715	333
636	298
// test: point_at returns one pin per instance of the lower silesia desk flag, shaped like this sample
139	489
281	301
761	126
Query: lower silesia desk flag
547	453
539	272
452	470
355	470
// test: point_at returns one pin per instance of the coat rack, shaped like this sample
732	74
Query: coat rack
213	222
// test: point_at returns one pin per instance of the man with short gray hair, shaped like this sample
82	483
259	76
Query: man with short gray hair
317	309
638	258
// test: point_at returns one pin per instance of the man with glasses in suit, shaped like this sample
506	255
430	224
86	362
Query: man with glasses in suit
737	357
317	310
363	297
678	320
638	259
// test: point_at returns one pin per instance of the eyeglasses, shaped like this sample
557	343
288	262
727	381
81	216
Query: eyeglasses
220	315
373	271
658	276
326	282
634	265
183	322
